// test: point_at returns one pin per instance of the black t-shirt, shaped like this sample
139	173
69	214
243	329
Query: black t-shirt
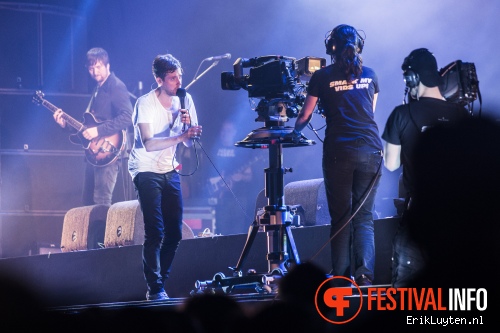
407	121
348	107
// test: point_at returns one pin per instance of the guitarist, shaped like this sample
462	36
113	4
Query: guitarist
111	107
234	195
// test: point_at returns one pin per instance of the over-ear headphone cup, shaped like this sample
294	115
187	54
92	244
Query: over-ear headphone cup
360	43
411	78
330	46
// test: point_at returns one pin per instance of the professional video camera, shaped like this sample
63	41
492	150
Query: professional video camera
279	81
460	83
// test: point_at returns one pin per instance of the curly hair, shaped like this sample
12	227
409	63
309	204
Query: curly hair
164	64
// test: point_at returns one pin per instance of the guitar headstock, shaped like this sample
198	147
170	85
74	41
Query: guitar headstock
38	97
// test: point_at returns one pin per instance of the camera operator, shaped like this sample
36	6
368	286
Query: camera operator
352	151
426	108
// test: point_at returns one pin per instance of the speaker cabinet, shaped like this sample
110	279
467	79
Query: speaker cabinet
29	62
83	228
125	225
310	194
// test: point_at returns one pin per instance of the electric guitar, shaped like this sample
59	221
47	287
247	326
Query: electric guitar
100	151
217	184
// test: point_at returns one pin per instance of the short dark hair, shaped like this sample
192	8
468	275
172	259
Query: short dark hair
95	54
423	63
164	64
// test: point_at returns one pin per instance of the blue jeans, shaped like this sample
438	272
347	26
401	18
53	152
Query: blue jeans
160	197
348	176
99	183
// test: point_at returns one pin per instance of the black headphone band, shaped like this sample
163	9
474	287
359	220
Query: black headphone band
411	77
330	42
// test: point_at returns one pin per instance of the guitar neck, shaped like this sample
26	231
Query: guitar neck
70	120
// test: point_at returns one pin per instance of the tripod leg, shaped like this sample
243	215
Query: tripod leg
252	232
291	243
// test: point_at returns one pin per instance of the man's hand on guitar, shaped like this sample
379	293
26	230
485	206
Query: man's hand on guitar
245	175
58	117
90	133
98	152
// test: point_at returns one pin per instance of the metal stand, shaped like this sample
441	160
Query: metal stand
276	220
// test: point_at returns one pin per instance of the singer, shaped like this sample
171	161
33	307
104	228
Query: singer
159	117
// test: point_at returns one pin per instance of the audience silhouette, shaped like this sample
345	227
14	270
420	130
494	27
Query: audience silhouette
456	216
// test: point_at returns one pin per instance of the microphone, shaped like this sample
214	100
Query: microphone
181	93
224	56
405	94
139	87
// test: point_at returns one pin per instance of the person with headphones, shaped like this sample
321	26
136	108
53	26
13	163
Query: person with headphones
426	108
352	152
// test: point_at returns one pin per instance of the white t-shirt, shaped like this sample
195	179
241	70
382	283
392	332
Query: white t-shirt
165	123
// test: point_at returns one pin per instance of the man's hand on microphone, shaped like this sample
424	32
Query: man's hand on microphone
194	132
185	118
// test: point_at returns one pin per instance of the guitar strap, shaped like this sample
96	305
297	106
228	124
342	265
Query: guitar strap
91	102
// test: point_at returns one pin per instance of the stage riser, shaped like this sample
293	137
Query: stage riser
115	274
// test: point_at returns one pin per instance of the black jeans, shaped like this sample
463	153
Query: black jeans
408	259
160	197
349	175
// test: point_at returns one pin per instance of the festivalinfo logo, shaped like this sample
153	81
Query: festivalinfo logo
343	305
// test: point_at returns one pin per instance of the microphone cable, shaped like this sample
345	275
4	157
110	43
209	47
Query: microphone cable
174	157
195	141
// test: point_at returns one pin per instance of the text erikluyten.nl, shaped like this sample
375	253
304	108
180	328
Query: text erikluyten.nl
443	321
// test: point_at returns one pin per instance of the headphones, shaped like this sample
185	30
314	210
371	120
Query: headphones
410	77
338	35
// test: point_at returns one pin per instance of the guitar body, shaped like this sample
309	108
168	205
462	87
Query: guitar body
100	151
217	185
78	138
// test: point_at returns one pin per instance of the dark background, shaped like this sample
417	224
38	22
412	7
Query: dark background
43	46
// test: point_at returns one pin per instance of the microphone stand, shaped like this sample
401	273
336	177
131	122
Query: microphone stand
206	70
